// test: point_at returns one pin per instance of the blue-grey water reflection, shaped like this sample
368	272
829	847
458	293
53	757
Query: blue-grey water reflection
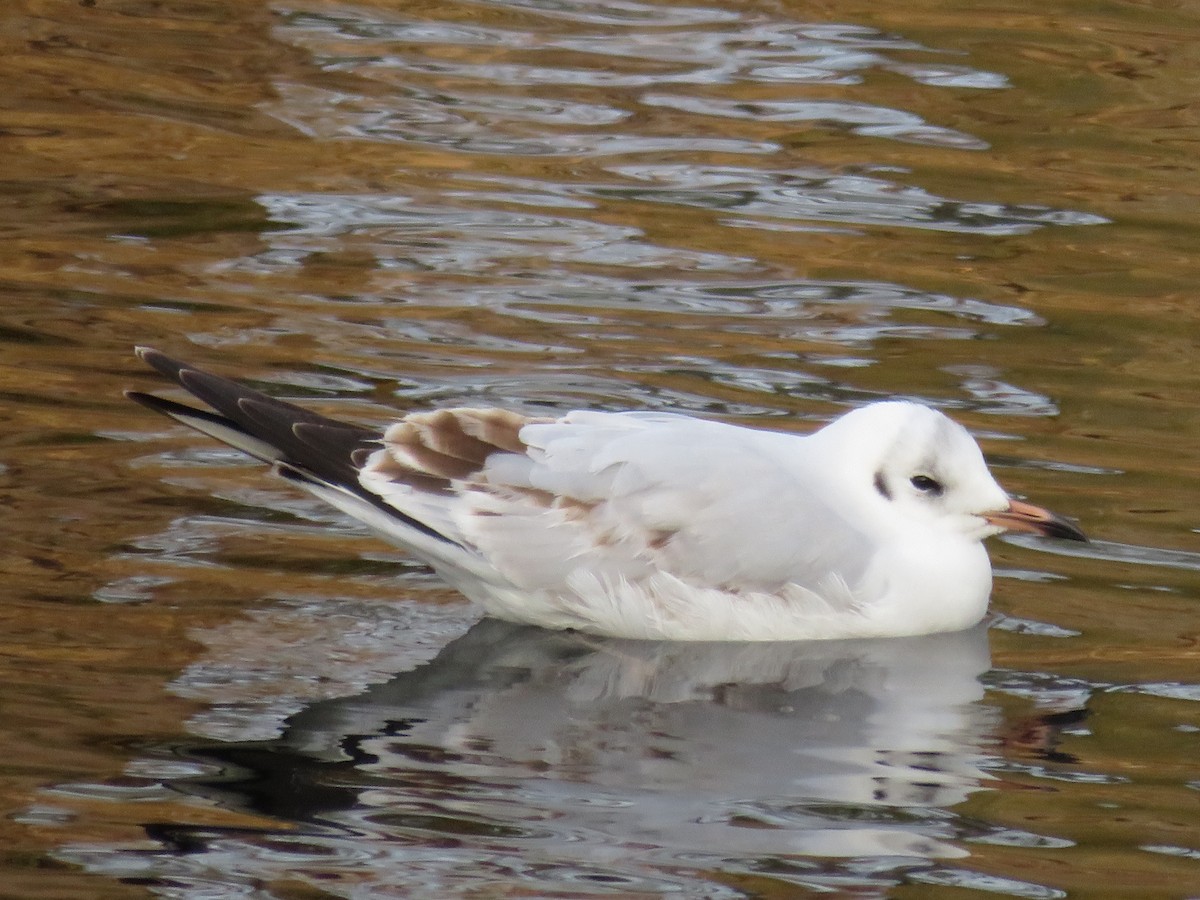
652	762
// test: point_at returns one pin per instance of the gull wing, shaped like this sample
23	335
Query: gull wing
629	494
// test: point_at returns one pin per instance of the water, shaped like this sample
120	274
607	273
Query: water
760	212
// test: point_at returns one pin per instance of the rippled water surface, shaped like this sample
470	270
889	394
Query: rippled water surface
764	212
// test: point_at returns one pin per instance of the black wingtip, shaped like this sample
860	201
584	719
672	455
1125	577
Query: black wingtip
148	400
240	413
160	362
301	445
189	415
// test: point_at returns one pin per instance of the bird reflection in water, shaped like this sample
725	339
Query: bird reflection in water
620	756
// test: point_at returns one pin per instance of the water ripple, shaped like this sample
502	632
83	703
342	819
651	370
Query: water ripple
729	47
618	12
438	89
403	233
832	197
860	118
1114	551
992	884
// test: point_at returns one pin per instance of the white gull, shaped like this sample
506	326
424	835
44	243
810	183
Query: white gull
651	525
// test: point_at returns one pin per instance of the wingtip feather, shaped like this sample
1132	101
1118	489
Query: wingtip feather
160	362
212	424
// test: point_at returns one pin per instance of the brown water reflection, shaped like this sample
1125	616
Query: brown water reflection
763	212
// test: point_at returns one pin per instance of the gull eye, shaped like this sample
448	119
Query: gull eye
926	485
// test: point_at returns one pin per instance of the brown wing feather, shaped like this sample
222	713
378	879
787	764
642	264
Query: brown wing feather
450	444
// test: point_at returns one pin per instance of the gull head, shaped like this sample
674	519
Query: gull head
914	467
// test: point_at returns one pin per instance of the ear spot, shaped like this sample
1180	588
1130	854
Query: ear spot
881	486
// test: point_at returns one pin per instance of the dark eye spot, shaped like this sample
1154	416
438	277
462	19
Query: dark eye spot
881	486
926	485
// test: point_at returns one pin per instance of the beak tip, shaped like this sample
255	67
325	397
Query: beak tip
1067	531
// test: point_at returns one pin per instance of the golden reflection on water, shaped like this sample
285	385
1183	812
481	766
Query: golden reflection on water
760	212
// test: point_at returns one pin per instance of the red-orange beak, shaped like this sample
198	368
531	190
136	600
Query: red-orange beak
1026	517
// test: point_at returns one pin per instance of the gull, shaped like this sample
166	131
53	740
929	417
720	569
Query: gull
654	525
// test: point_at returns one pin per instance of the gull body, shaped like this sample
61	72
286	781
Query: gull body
651	525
